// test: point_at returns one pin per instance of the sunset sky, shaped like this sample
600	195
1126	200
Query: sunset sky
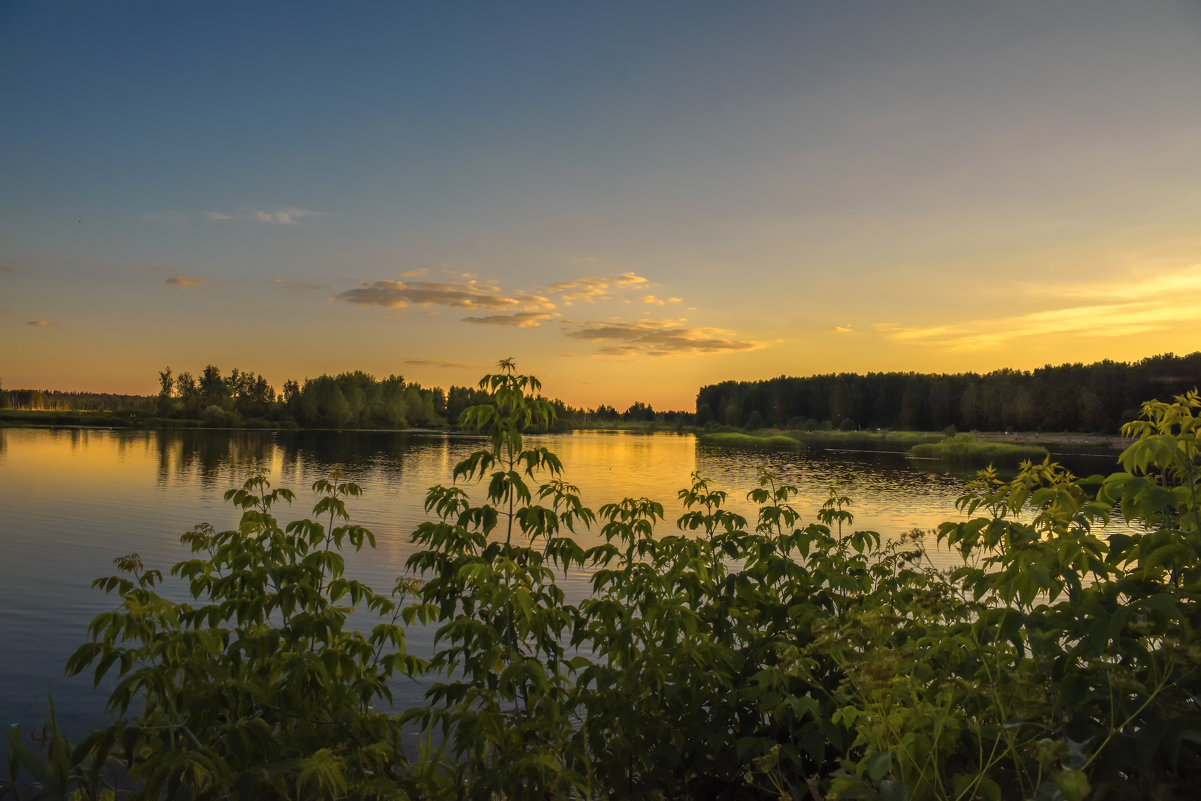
631	199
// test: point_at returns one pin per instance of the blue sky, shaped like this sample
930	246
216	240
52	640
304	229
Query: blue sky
630	199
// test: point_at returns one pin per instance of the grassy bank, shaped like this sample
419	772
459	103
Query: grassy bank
893	441
966	449
960	449
20	417
753	442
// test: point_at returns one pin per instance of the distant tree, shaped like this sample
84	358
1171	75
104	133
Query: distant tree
189	395
639	411
165	405
213	388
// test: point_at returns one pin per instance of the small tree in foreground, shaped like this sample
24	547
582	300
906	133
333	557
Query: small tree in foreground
259	687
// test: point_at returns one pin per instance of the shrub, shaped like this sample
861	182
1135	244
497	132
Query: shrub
260	688
734	659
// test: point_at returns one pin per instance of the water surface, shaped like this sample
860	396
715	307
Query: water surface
72	500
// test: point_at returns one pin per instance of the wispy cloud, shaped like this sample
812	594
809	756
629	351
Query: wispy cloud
654	300
593	288
528	319
184	282
842	329
436	363
465	294
1163	286
41	324
287	216
1108	310
9	265
658	338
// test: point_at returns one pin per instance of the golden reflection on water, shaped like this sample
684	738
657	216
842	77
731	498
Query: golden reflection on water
74	499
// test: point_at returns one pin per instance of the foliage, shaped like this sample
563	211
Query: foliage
1066	397
898	441
733	439
765	658
966	449
261	688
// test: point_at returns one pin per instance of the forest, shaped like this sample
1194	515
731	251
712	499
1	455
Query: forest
244	399
1092	398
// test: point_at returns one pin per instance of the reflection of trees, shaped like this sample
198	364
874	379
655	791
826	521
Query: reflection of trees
214	456
206	454
318	452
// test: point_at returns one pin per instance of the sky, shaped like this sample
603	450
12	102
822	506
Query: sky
629	199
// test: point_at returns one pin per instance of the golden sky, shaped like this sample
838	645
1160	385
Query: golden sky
631	200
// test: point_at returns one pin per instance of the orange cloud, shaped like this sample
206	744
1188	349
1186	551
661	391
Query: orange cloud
593	287
1155	303
658	338
528	319
185	282
436	363
464	294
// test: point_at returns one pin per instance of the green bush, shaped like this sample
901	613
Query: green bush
735	658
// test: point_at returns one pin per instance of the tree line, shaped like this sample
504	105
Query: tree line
1068	397
350	400
46	400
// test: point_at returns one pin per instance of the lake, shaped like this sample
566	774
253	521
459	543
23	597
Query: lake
74	499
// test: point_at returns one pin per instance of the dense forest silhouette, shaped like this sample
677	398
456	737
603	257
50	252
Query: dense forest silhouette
347	400
1091	398
1069	397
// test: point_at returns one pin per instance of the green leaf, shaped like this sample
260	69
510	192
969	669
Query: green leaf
879	765
1072	783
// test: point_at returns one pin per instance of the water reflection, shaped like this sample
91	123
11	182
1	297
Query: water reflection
74	499
205	456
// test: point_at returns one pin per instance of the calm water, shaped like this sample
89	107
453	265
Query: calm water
72	500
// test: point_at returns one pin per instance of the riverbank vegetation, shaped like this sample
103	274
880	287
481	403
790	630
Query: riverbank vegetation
773	657
754	442
955	449
889	441
351	400
970	450
1092	398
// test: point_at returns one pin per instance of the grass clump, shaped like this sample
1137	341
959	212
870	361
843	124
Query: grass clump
967	449
794	439
733	439
899	441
